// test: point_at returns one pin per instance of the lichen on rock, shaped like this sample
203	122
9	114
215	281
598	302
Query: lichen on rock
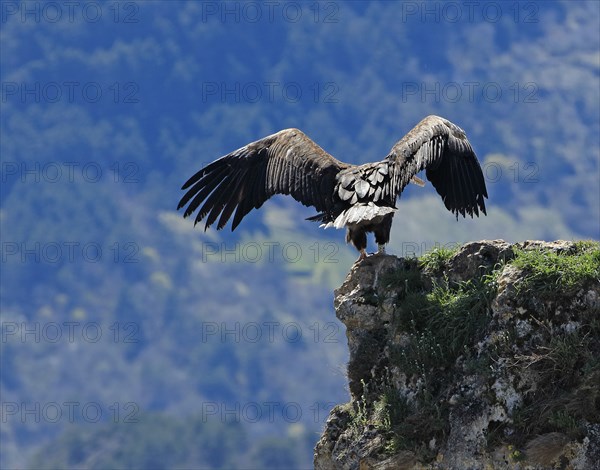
487	357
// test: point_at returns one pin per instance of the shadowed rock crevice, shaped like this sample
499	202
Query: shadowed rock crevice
487	357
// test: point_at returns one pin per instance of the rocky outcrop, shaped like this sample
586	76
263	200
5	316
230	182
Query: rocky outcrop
487	358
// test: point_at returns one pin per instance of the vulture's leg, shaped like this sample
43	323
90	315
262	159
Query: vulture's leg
382	233
358	237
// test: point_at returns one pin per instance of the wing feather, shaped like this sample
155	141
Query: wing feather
229	192
200	190
287	162
234	200
442	149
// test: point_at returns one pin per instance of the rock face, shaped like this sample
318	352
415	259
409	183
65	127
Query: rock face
487	358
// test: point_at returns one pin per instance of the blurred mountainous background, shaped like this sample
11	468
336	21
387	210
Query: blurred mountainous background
131	339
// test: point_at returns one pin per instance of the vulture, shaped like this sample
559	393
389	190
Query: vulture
361	198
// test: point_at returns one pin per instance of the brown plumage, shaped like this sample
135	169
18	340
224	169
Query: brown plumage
359	197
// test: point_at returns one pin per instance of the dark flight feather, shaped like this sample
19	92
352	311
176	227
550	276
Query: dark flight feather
287	162
441	149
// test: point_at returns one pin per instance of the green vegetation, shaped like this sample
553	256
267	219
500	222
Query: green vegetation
434	260
548	271
442	323
567	374
408	276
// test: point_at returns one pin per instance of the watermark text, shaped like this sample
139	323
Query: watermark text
472	91
268	331
468	12
69	11
68	332
270	92
68	252
69	172
69	412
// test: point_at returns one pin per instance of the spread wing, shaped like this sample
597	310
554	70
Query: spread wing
287	162
441	149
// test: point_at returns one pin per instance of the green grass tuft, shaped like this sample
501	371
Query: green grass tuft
435	260
548	271
443	324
